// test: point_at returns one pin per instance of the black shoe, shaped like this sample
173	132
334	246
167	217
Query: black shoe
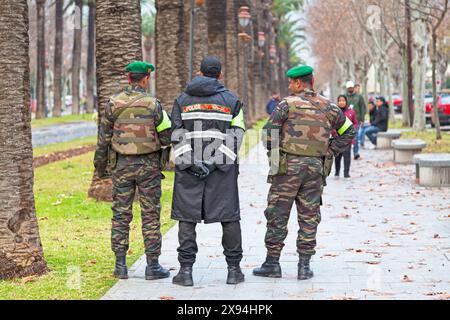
304	271
121	271
235	275
270	268
184	277
155	271
347	176
357	157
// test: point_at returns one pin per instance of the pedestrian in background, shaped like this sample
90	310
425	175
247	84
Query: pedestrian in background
363	128
380	122
357	103
273	102
347	153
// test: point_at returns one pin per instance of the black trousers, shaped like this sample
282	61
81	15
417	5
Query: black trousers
231	242
347	155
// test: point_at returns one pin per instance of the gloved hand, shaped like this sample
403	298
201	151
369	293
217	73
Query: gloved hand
199	169
210	165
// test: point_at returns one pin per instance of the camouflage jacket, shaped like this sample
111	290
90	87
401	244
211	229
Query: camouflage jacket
105	134
335	114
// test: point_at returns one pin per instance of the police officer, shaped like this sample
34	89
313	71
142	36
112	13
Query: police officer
298	138
132	132
208	127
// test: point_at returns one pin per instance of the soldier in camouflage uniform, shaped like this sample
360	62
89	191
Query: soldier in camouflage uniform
298	138
132	132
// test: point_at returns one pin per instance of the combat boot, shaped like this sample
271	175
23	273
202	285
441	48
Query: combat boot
270	268
121	271
304	271
184	276
235	274
154	270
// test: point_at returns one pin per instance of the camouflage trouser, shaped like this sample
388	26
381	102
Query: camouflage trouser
306	189
147	179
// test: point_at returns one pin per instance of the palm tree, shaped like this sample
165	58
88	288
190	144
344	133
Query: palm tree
40	54
170	50
57	62
288	33
76	56
118	42
90	72
20	245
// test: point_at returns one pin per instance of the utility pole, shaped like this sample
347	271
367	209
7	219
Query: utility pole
409	60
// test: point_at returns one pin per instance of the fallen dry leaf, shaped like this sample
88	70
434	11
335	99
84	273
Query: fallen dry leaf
406	279
167	298
28	279
345	298
342	216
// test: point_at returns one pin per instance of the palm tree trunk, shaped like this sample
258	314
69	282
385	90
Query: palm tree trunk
233	67
118	42
76	56
217	38
40	76
90	72
20	245
57	62
171	51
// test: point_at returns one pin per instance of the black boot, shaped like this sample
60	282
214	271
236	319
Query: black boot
304	271
184	277
154	270
270	268
235	274
121	271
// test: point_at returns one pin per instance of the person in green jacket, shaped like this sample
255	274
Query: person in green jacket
357	103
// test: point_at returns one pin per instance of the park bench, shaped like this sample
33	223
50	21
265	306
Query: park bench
433	170
384	139
404	150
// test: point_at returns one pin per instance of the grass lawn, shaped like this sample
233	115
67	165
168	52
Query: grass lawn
35	123
63	146
252	137
75	233
433	145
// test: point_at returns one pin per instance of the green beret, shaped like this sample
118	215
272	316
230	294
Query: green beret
300	71
140	67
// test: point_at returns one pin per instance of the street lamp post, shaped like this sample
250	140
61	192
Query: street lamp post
195	7
272	60
261	44
244	18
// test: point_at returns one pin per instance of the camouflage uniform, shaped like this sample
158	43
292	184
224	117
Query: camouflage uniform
137	166
302	180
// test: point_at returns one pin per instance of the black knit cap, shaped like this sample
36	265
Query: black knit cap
211	67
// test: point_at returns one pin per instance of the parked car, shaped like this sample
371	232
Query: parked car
443	110
398	102
33	104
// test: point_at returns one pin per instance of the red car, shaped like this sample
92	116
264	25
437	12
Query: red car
398	102
443	109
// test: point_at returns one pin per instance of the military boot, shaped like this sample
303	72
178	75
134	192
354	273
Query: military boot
154	270
121	271
270	268
184	276
235	274
304	271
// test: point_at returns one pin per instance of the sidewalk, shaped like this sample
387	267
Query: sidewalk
381	237
42	136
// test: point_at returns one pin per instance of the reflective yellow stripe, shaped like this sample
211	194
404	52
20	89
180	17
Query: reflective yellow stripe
165	123
348	123
239	121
